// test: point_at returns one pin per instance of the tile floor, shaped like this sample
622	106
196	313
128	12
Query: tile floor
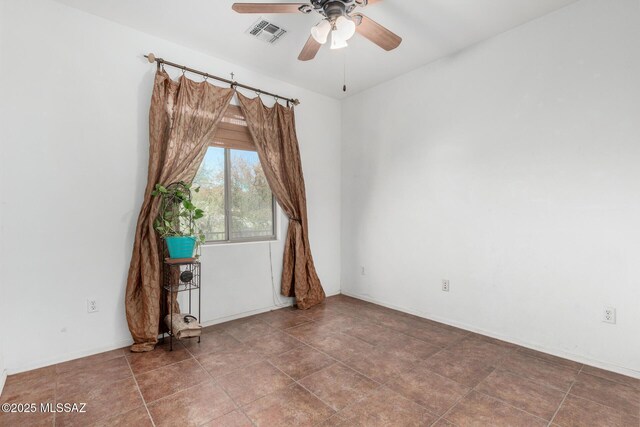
344	363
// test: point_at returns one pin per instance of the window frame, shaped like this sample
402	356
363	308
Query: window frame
227	210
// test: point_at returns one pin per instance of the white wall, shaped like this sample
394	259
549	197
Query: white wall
511	169
3	371
75	95
3	298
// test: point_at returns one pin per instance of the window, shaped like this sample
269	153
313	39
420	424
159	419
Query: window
234	193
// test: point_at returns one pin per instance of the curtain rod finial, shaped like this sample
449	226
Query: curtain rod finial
151	58
296	102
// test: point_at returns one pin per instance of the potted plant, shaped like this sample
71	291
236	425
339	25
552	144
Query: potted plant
176	220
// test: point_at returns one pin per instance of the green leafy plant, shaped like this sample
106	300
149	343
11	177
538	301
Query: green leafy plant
178	215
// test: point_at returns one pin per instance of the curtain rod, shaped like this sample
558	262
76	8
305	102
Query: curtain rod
160	61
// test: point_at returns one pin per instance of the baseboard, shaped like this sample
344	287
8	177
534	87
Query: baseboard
241	315
555	352
251	313
67	357
125	343
3	379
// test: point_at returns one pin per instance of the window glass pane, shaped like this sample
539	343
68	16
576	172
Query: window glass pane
210	198
250	197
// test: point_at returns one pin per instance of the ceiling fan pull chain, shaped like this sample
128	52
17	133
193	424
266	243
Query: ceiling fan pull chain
344	72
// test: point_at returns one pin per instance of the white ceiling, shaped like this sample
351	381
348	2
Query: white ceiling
430	29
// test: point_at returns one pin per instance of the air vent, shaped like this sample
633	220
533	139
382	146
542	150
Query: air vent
266	31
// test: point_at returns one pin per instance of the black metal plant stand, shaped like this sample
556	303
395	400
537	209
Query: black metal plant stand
179	275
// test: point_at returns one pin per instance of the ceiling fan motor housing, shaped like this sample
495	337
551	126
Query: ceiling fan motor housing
333	9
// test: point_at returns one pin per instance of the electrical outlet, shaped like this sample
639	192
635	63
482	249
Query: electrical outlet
445	285
609	315
92	305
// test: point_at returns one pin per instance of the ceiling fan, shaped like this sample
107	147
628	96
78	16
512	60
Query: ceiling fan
339	24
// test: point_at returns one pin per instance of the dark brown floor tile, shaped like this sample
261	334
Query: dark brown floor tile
550	358
34	388
504	344
407	348
284	318
291	406
212	343
89	361
398	322
170	379
254	381
33	378
21	419
191	407
482	350
519	387
434	392
444	326
479	410
335	421
213	329
301	361
612	376
160	356
329	313
371	333
458	367
244	329
373	314
138	417
309	331
98	375
338	385
376	365
443	423
578	412
436	335
336	324
522	393
273	344
383	408
37	386
609	393
346	298
224	362
340	346
232	419
538	370
102	402
367	311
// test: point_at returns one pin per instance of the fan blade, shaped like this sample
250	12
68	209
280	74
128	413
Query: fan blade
309	50
376	32
268	7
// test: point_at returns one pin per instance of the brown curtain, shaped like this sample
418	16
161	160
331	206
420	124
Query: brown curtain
182	122
274	135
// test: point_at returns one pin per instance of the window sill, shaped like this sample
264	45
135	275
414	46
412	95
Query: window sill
238	242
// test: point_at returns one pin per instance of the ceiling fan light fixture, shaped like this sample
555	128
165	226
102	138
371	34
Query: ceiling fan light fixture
337	42
320	32
345	27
